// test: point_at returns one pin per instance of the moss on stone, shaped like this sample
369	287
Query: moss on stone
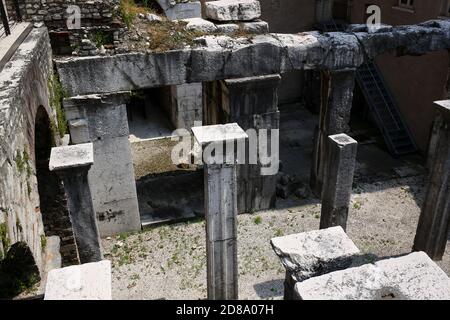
43	242
4	236
57	94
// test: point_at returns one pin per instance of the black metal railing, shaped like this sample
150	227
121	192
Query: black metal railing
6	30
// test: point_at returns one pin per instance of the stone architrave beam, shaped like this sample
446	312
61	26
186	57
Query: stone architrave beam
223	57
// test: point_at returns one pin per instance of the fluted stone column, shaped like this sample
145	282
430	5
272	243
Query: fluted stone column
336	105
338	182
220	209
434	223
72	164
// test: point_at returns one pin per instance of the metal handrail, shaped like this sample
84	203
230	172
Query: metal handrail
4	18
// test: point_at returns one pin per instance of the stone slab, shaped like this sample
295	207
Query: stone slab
199	24
91	281
69	157
233	10
411	277
211	134
314	253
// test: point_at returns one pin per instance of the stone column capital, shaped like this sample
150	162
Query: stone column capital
77	158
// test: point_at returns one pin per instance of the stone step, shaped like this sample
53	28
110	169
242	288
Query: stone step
411	277
90	281
233	10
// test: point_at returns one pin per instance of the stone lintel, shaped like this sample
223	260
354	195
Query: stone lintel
219	133
72	157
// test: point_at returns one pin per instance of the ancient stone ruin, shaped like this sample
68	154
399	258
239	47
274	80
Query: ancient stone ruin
127	125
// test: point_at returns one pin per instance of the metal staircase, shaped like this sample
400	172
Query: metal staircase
385	112
381	103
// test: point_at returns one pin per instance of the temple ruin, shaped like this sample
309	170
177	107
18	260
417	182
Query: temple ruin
97	98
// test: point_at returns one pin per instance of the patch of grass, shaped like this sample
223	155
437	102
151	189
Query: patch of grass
258	220
43	242
129	10
279	233
100	38
57	94
4	238
168	35
357	205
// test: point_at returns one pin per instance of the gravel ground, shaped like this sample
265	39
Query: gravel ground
169	262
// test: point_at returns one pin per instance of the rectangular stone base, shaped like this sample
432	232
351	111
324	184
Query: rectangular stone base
91	281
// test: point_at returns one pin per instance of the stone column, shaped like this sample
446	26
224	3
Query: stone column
102	120
434	223
324	10
220	209
72	164
338	182
336	105
252	103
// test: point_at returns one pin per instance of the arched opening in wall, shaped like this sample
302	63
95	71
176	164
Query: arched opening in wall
53	203
18	271
166	191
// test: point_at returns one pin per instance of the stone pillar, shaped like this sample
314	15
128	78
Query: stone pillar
186	101
220	209
186	105
336	105
252	103
102	120
72	164
434	223
338	182
324	10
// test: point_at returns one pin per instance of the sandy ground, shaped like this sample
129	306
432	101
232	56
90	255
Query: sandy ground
169	262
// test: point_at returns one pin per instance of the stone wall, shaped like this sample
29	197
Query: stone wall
23	88
53	12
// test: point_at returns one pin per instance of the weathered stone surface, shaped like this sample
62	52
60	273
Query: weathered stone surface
219	133
233	10
201	25
412	277
220	57
314	253
63	158
91	281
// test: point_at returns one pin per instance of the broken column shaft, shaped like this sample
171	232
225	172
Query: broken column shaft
72	164
220	209
434	223
338	181
335	109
